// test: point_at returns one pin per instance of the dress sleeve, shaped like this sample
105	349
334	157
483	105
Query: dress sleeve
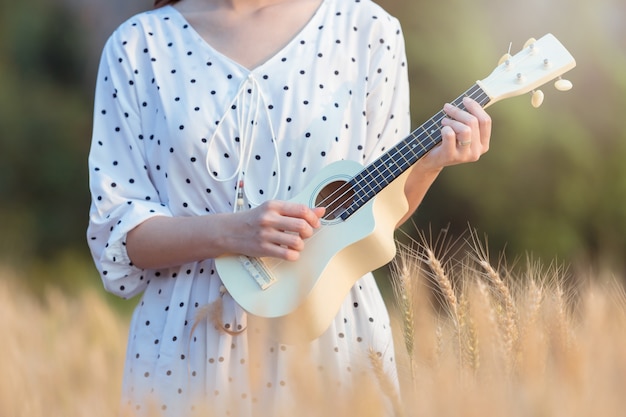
388	110
122	193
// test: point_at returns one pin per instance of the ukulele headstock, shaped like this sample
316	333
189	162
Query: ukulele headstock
539	62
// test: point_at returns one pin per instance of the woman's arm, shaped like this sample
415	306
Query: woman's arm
275	228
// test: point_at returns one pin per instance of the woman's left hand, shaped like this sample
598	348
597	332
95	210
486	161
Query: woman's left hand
465	136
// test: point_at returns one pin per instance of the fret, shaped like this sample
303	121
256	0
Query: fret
423	149
413	150
372	178
363	188
392	164
413	146
389	166
407	158
385	163
458	102
432	129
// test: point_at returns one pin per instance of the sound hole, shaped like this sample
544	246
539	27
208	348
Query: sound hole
336	197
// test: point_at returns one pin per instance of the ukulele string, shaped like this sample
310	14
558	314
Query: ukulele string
338	196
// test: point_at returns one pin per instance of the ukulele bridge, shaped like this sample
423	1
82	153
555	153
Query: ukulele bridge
258	271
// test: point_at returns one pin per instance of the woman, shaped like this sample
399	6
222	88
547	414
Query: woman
209	116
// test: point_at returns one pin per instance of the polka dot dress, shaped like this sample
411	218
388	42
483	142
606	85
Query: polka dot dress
177	125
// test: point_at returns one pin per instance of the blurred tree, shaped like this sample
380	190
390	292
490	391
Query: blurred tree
44	126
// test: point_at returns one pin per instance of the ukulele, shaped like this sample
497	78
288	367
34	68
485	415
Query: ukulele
363	205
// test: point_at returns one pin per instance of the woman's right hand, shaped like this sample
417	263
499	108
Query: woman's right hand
275	228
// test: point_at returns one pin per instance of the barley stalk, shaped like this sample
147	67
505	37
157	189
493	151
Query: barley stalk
402	273
536	295
484	309
387	386
444	283
560	317
509	310
469	341
510	324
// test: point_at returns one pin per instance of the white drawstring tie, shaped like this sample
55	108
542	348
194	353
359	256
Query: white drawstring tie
248	103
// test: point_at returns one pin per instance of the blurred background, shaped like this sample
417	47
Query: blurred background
553	183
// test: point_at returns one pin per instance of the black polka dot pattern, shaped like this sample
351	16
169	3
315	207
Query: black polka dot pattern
175	125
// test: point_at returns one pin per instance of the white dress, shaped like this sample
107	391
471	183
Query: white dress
176	125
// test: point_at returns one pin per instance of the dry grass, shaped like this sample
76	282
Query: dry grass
59	357
474	338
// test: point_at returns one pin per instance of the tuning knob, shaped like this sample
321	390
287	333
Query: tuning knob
504	58
563	85
537	98
529	42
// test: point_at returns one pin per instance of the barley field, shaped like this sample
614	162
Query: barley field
475	337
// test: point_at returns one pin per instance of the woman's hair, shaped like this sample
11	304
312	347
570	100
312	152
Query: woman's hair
161	3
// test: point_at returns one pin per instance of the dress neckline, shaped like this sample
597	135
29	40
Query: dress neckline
280	52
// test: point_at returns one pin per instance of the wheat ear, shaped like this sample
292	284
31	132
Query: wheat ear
444	283
388	387
402	271
504	295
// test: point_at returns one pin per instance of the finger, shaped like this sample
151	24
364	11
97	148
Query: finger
482	117
287	240
461	132
285	245
301	211
297	227
281	252
472	126
449	140
319	212
460	116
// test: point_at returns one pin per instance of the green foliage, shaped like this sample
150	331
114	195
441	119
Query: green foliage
45	120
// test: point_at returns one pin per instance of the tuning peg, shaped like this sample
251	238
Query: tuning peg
504	58
537	98
529	42
563	85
